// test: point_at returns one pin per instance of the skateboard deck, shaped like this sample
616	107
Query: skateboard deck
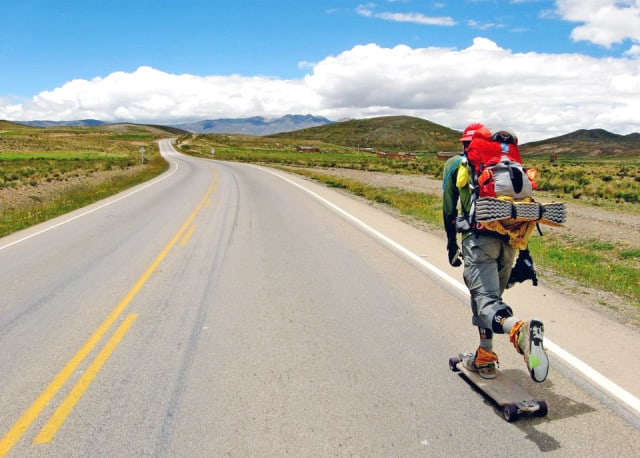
493	209
514	400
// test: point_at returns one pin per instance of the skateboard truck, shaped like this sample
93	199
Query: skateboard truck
514	400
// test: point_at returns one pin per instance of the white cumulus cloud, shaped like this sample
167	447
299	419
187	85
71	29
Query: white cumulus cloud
367	10
604	22
537	95
151	95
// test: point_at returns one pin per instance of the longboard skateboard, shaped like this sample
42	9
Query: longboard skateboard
494	209
511	397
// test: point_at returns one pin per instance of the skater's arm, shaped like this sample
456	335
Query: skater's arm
450	196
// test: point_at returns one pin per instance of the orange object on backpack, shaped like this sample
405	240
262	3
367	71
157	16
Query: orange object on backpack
531	174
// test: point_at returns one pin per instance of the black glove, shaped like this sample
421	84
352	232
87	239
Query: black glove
455	256
523	270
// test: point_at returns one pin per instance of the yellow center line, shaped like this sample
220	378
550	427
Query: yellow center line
187	236
33	411
60	415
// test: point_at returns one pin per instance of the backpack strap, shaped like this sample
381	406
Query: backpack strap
470	214
453	168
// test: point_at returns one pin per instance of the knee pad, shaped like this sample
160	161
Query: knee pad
498	319
485	333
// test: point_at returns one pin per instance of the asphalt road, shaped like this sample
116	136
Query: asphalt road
223	310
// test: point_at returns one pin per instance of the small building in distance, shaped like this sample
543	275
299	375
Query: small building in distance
308	149
403	156
444	155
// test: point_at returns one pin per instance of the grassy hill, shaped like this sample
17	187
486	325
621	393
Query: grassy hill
389	133
8	125
150	129
49	126
586	144
406	133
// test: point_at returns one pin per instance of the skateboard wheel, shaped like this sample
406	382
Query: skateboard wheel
453	364
510	413
542	412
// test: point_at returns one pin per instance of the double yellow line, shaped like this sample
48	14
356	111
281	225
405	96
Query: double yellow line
51	427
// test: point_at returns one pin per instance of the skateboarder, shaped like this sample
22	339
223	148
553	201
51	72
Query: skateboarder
488	260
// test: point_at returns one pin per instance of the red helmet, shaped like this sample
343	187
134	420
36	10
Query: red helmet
467	134
483	133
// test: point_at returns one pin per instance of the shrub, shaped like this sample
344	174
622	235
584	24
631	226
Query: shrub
631	253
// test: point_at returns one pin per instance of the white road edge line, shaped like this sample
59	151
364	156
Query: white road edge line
106	204
594	376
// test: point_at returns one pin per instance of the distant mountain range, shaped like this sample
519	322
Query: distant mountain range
586	143
256	125
78	123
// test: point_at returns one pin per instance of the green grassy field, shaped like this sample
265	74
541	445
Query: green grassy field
615	181
58	168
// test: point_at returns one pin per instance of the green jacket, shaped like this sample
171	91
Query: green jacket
452	195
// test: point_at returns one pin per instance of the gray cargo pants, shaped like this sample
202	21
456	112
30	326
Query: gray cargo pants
488	260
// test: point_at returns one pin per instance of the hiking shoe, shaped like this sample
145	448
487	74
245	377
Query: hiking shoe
483	362
527	339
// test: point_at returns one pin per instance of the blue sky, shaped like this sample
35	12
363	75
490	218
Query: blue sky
557	64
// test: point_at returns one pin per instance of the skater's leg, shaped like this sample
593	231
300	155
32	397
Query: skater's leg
486	271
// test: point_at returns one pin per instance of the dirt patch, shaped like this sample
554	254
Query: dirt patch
22	196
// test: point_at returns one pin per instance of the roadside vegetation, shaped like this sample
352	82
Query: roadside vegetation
612	184
601	181
48	172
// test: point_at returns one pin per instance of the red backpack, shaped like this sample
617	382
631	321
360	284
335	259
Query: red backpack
497	166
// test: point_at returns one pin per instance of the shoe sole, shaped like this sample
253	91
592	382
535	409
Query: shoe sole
487	376
537	359
492	209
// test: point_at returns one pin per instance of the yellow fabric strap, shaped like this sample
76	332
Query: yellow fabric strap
518	231
463	175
